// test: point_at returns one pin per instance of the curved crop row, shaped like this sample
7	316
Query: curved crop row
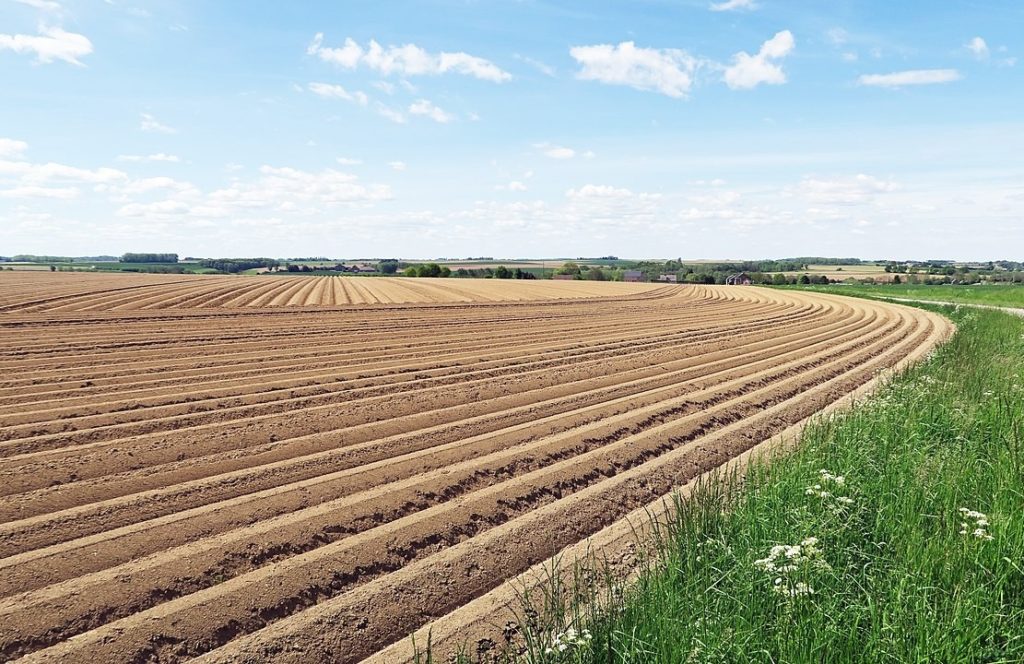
188	471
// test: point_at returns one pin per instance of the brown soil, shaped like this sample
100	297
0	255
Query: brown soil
182	479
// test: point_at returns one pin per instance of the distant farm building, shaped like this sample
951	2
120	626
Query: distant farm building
564	277
741	279
632	275
668	278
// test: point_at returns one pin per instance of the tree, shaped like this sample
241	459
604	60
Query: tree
502	272
430	270
897	280
779	279
149	258
804	280
595	273
569	268
411	271
387	267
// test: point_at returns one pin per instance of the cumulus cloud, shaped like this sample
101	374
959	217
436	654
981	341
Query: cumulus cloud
405	60
857	190
276	190
558	152
428	109
599	191
30	173
24	179
11	148
397	165
749	71
149	123
668	71
348	161
159	156
978	47
911	77
50	45
35	191
732	5
390	114
330	91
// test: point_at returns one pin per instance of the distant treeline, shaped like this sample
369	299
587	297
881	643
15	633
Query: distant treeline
235	265
149	258
442	271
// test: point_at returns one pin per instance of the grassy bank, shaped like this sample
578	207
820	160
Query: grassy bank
893	533
996	295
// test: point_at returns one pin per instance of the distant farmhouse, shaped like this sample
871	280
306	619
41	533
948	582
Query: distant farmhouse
564	277
668	278
632	275
741	279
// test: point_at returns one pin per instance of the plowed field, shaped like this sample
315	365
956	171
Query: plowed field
315	484
60	292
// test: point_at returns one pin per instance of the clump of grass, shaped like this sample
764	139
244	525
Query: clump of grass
894	532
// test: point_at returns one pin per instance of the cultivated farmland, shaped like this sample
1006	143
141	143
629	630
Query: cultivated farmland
61	292
250	469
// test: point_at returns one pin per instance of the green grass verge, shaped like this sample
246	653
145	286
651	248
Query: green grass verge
855	547
996	295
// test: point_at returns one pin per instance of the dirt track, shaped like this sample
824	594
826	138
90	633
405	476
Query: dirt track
313	484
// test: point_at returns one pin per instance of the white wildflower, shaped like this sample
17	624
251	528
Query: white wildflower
568	640
979	528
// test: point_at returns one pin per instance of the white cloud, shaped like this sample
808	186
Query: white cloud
668	71
910	77
35	191
514	185
599	191
978	47
391	114
30	173
427	108
275	191
148	123
11	148
43	5
384	86
330	91
838	36
146	185
405	60
732	5
50	45
748	71
159	156
556	151
856	190
542	67
397	165
348	161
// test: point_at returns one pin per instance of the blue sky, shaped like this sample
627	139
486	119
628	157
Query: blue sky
731	129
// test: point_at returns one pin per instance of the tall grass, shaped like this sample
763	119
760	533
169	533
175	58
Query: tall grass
893	533
998	295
